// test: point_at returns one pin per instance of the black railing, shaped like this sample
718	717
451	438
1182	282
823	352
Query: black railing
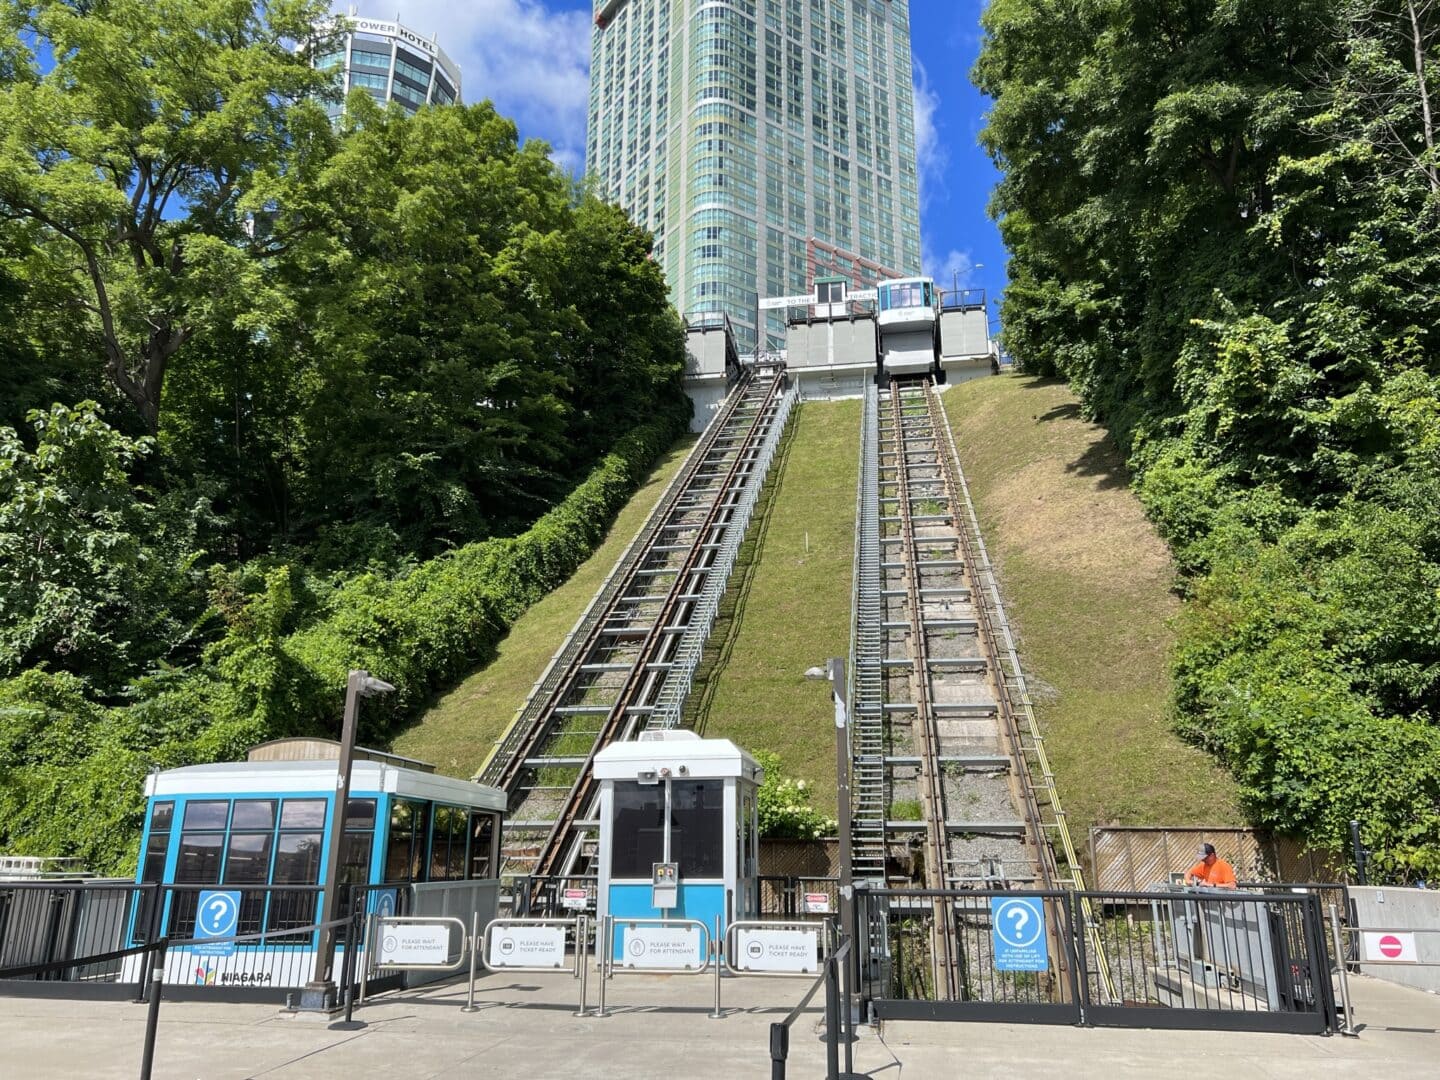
1185	958
1212	958
936	954
545	896
97	933
53	922
785	894
838	1018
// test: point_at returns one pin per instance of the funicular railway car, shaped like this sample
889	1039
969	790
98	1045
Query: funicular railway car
908	314
255	834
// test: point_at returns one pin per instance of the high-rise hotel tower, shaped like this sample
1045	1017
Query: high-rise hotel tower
390	61
741	132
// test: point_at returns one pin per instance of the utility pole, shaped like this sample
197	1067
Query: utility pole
838	692
319	993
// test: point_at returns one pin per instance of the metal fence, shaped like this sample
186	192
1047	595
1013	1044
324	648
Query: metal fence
1243	961
1135	858
904	960
789	895
552	896
100	938
1187	958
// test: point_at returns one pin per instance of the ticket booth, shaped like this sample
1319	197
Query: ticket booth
679	836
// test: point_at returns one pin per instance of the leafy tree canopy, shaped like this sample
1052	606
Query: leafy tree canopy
1222	219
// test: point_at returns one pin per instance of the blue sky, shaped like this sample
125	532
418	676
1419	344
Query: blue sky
531	57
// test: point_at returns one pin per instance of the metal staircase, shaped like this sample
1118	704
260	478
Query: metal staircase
867	734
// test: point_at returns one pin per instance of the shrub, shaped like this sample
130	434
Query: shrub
784	805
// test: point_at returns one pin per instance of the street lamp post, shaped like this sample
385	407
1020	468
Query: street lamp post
835	673
319	993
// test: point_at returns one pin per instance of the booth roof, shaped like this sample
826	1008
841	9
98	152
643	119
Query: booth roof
254	778
701	757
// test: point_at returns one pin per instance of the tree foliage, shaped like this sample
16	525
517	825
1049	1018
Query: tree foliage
1223	219
279	396
143	107
94	577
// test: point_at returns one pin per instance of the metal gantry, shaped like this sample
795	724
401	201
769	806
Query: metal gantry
630	659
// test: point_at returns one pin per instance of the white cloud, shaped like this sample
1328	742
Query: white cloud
932	156
532	61
946	268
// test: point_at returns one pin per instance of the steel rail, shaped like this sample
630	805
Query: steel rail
505	773
932	787
1043	855
656	640
992	615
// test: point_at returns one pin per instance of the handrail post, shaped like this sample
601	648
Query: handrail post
152	1015
1349	1028
848	1024
832	1020
582	946
607	930
717	952
347	970
469	1006
369	955
779	1050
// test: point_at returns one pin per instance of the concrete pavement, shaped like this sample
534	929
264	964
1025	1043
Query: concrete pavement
525	1029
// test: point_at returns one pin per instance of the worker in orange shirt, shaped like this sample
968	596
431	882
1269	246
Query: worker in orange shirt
1211	871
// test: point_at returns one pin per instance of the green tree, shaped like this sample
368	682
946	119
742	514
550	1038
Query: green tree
1222	217
94	578
461	337
133	155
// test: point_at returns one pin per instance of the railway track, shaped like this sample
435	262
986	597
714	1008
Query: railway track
944	748
629	661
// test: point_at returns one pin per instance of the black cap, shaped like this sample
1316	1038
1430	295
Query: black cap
1207	849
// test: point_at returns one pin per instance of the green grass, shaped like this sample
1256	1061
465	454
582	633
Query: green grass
905	810
457	732
1087	587
788	605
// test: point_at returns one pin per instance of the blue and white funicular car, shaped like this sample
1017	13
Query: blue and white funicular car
908	314
253	836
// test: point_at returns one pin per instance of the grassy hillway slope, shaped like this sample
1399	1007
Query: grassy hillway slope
458	730
1086	584
788	605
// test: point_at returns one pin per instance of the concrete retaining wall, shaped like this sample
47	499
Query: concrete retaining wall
707	396
1398	909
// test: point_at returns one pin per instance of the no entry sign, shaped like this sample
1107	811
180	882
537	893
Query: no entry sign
1390	948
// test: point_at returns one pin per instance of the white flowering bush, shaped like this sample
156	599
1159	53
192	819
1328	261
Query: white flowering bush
784	805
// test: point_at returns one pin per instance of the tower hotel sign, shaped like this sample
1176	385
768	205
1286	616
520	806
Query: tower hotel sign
393	29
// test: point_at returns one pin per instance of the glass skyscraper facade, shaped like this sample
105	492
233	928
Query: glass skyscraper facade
391	62
739	131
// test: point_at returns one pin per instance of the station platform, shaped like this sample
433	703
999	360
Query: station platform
660	1028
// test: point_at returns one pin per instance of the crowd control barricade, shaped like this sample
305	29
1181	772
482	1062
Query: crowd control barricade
839	1022
794	948
536	945
408	942
681	947
1379	947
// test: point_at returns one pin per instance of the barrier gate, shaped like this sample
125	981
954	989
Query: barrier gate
1178	958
